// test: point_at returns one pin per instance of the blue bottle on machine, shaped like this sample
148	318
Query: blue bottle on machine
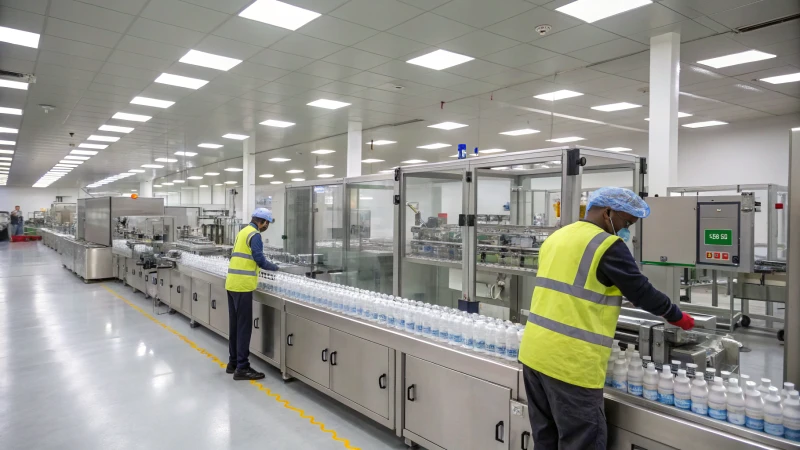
462	151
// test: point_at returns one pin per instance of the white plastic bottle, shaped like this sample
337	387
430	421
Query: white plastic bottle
725	377
418	321
635	377
610	366
753	408
444	328
620	378
764	387
512	344
409	315
434	317
735	402
645	361
666	386
675	365
691	370
391	314
683	391
629	354
500	341
710	374
718	400
700	396
650	383
382	312
773	413
491	345
791	416
787	388
480	336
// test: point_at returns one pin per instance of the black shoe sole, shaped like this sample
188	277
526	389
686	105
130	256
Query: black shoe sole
247	377
230	370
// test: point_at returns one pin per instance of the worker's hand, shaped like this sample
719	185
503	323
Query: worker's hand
686	322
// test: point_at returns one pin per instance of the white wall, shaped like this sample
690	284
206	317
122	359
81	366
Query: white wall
33	199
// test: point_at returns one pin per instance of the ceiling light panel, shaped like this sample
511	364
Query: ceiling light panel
233	169
195	177
414	161
82	158
371	160
3	142
593	10
131	117
736	58
322	152
434	146
116	129
70	162
279	159
558	95
83	152
6	152
298	179
166	160
708	123
184	82
207	145
520	132
238	137
325	175
294	171
10	111
211	174
564	140
152	166
448	125
619	149
328	104
277	123
780	79
137	171
230	182
323	166
381	142
9	130
616	107
440	60
279	14
186	153
152	102
266	175
210	60
96	137
14	85
276	182
19	37
94	146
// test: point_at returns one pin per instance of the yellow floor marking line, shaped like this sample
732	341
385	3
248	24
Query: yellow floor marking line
222	364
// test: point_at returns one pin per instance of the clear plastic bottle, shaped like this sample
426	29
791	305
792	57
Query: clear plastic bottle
468	332
418	321
764	387
683	391
382	306
409	315
427	323
791	416
434	317
444	328
480	336
650	383
500	341
520	334
753	408
735	402
700	396
773	413
718	400
455	330
787	388
610	366
391	311
725	377
635	377
620	377
491	344
666	386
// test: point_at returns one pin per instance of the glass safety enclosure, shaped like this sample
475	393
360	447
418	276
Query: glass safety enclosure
369	224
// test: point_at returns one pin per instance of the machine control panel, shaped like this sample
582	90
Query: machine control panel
718	225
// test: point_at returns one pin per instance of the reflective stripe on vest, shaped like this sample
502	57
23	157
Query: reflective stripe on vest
251	273
577	333
579	292
241	255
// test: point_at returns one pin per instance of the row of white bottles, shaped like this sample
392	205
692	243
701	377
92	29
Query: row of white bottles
481	334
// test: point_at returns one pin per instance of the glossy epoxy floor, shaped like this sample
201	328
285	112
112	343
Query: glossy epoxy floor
80	368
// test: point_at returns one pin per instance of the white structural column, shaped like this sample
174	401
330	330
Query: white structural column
354	146
146	188
248	191
665	52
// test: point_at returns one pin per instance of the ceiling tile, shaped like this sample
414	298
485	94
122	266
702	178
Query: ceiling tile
94	16
282	89
477	69
184	15
281	60
227	6
147	47
75	62
474	87
409	87
133	83
327	70
478	44
133	7
640	19
612	49
769	35
227	47
259	71
336	30
425	4
250	31
34	6
710	48
320	6
390	45
75	48
368	79
15	64
303	80
510	77
121	70
77	32
21	20
757	12
161	32
689	30
636	61
481	13
307	46
522	27
707	7
520	55
555	64
360	59
137	60
431	29
575	38
339	87
377	14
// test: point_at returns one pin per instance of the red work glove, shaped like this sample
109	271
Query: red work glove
686	322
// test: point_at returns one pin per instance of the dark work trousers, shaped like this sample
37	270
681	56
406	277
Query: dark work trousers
240	321
564	416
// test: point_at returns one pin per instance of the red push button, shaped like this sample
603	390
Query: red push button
717	255
725	256
709	255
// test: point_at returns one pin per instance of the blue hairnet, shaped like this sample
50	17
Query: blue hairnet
619	199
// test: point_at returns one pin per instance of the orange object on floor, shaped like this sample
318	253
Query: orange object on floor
23	238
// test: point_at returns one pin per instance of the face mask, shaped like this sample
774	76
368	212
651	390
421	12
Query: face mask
624	234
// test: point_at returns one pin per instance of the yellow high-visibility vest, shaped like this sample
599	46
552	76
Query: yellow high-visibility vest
242	270
573	316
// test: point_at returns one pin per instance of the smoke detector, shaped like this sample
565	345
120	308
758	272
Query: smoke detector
399	88
47	108
543	29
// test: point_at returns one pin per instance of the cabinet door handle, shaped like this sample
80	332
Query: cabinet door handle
524	442
499	431
162	281
194	296
382	381
325	355
411	393
333	358
213	304
179	289
255	322
289	339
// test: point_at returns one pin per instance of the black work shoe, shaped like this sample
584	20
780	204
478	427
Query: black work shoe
231	368
247	374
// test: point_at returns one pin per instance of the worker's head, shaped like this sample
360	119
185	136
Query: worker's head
615	209
16	207
262	217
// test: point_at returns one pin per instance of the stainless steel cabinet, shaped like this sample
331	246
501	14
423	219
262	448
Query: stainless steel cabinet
219	309
185	289
440	406
175	294
307	349
201	294
257	337
520	431
165	285
360	371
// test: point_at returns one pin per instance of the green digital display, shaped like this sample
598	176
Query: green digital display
719	237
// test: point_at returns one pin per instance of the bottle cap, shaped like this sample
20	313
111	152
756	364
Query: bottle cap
651	366
691	365
676	363
766	381
794	395
773	390
681	373
733	382
789	386
718	380
666	369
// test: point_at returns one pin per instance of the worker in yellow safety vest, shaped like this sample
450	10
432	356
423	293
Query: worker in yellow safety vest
242	279
584	270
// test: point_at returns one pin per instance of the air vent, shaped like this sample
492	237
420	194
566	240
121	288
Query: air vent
769	23
16	76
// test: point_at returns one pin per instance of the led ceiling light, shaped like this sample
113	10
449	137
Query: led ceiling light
323	166
82	158
137	171
592	10
116	129
152	102
152	166
276	182
564	140
267	175
615	107
11	111
680	114
298	179
381	142
184	82
7	142
328	104
708	123
440	59
619	149
95	137
83	152
166	160
9	130
780	79
70	162
279	14
371	160
19	37
186	153
230	182
203	185
294	171
168	184
131	117
434	146
211	174
95	146
325	175
448	125
14	85
558	95
7	152
207	145
279	159
520	132
238	137
736	58
277	123
414	161
322	152
6	158
178	181
233	169
210	60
